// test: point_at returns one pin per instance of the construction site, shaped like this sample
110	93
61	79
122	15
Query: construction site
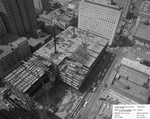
28	81
48	83
76	53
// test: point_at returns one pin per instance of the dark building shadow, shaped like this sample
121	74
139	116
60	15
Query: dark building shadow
93	77
14	113
1	83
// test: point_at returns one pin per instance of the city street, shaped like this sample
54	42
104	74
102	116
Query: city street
95	95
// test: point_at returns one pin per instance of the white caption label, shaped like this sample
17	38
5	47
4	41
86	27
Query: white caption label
131	112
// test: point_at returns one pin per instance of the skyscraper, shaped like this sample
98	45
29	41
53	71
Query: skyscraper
18	16
99	19
27	11
11	17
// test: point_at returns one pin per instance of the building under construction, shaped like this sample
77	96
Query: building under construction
77	52
29	79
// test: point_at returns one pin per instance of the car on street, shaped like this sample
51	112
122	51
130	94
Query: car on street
93	89
85	103
3	90
103	74
105	70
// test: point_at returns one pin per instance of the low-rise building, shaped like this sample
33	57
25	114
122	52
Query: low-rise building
12	53
132	78
62	17
142	32
142	27
41	5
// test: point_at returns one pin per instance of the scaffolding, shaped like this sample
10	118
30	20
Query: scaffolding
28	74
72	72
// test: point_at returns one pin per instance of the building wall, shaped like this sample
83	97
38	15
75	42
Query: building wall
2	27
9	62
126	6
27	11
18	15
99	19
38	4
45	5
10	14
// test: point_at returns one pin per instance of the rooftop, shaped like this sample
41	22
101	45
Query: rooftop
144	9
132	89
133	75
8	38
63	13
85	47
136	65
143	31
74	56
137	55
9	43
74	5
33	42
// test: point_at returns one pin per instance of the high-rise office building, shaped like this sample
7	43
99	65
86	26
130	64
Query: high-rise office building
125	4
27	11
99	19
12	53
11	17
18	16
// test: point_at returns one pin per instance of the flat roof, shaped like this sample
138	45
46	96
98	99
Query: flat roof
140	54
9	43
133	89
118	97
130	55
137	54
82	47
133	75
145	8
143	32
57	13
136	65
33	42
126	94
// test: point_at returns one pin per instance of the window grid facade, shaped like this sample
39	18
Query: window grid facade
98	19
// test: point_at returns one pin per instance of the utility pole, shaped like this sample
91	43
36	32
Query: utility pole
74	35
55	40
